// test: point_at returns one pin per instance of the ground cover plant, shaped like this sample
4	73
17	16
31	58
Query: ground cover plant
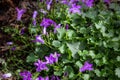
62	40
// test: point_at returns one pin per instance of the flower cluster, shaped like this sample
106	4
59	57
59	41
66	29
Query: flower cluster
41	78
75	8
46	23
53	77
26	75
53	58
73	5
40	65
88	3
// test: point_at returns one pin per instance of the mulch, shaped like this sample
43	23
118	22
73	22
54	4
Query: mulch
8	16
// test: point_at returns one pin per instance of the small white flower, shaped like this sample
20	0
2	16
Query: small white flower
7	75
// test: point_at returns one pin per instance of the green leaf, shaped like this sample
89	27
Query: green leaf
71	75
32	30
83	30
97	72
69	70
100	26
35	75
58	73
56	43
86	76
117	72
74	47
118	58
79	64
61	33
70	34
91	14
62	48
98	62
104	72
83	53
114	44
31	58
114	6
104	60
92	54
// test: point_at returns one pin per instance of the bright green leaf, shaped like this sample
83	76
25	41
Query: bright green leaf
79	64
31	58
61	33
118	58
74	47
117	72
86	76
58	73
56	43
62	48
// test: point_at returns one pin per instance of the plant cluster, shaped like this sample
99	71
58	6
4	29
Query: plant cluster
68	40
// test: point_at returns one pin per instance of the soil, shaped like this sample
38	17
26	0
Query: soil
8	16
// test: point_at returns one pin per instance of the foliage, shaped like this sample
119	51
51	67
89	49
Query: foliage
93	35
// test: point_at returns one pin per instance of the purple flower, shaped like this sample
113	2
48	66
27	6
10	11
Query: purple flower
43	11
20	13
88	3
65	74
41	78
22	31
39	39
67	26
75	8
64	2
40	65
7	75
46	23
56	27
107	1
73	1
41	0
9	43
34	16
86	66
57	1
52	58
26	75
48	2
13	48
54	77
